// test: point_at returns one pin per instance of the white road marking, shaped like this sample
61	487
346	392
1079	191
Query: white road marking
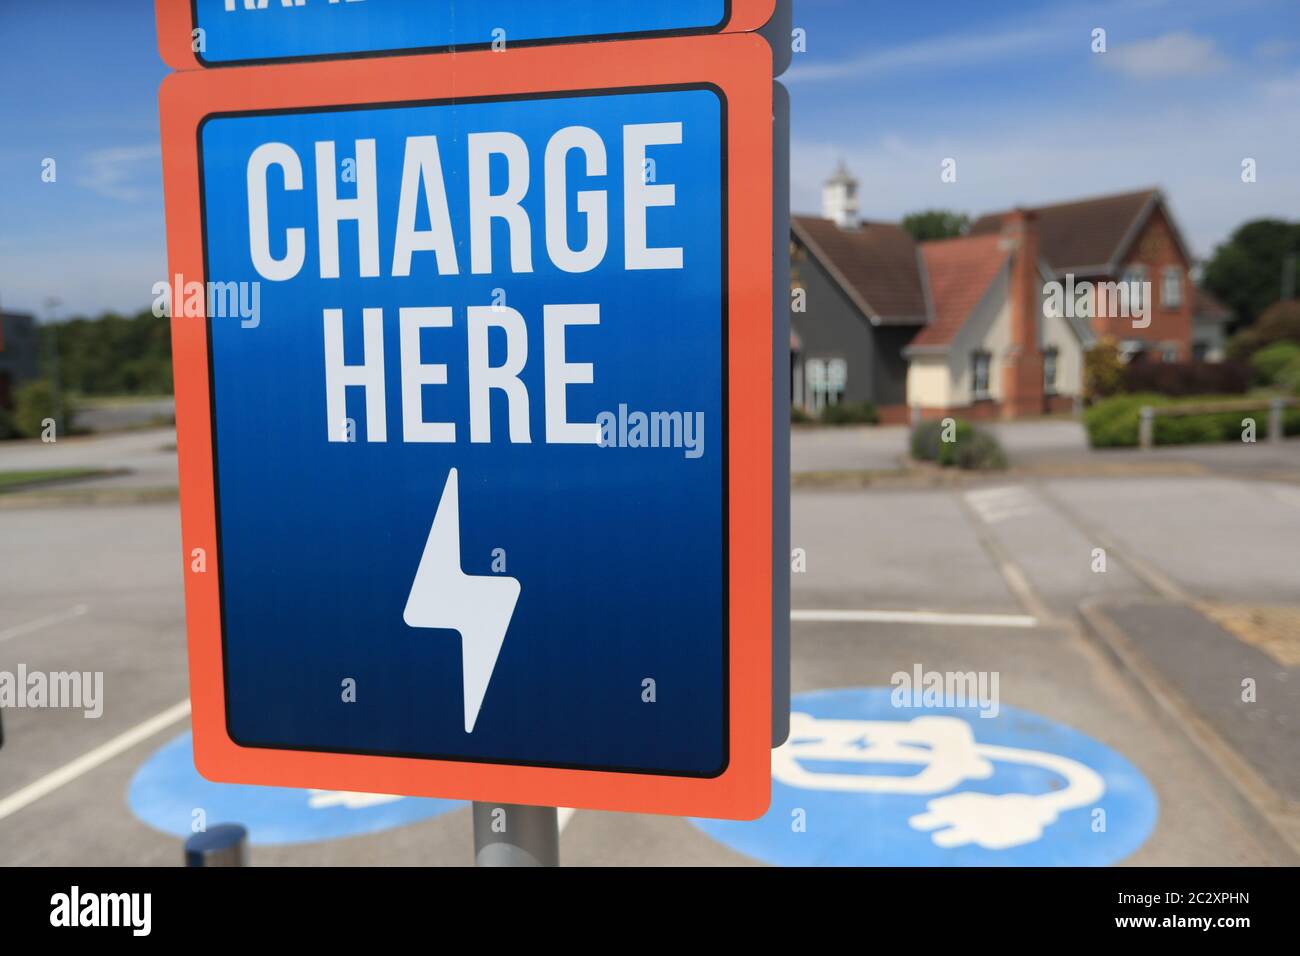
1288	496
914	617
89	761
995	505
55	618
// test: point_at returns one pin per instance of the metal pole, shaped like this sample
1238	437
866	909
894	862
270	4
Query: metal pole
1276	426
1146	426
509	834
225	844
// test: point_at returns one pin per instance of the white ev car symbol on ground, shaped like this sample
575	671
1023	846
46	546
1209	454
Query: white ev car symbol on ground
323	799
948	754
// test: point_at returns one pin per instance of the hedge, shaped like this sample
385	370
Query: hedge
1114	422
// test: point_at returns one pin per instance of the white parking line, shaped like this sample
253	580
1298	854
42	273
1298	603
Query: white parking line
1288	496
89	761
40	622
914	617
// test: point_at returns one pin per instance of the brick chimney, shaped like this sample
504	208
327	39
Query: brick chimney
1022	372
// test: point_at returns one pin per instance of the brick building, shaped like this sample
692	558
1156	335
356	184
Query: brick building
970	324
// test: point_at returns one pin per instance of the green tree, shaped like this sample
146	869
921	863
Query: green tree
1280	322
1103	370
1245	273
936	224
113	354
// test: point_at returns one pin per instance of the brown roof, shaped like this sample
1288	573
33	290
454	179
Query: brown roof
1082	235
959	272
874	263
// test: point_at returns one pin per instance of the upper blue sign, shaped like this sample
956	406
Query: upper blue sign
468	377
226	32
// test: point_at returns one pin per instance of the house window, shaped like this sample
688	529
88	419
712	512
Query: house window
980	374
1171	288
1132	350
837	376
1134	278
1050	360
825	380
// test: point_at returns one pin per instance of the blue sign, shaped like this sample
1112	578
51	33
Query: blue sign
240	31
168	794
863	782
468	401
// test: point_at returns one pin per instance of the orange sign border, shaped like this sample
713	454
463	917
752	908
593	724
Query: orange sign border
176	29
739	65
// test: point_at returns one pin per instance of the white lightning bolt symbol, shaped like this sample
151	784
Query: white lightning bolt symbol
479	606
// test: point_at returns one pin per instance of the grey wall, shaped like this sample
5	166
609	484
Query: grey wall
833	327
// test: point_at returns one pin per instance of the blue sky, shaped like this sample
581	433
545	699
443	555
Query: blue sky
1011	90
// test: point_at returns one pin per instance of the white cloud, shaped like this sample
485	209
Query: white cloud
1174	54
940	52
1194	154
119	172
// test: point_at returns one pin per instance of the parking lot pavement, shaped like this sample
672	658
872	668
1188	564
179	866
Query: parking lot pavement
1221	539
847	448
1250	699
88	590
892	553
892	549
147	456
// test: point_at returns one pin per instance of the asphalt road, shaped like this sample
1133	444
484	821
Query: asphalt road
895	579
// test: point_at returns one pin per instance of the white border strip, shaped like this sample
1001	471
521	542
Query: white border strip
913	617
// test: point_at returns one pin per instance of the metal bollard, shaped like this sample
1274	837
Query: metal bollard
225	844
507	834
1275	425
1147	426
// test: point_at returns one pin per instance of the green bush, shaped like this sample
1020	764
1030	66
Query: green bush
971	448
1115	422
926	440
1103	369
34	403
963	432
1269	362
1289	377
980	452
798	416
850	413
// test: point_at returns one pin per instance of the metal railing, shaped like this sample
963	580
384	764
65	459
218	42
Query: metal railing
1276	406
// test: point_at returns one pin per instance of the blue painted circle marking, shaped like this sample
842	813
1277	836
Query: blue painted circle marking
166	790
863	782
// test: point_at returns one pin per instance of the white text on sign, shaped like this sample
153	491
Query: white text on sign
422	179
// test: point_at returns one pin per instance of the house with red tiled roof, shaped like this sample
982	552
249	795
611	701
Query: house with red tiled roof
994	323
